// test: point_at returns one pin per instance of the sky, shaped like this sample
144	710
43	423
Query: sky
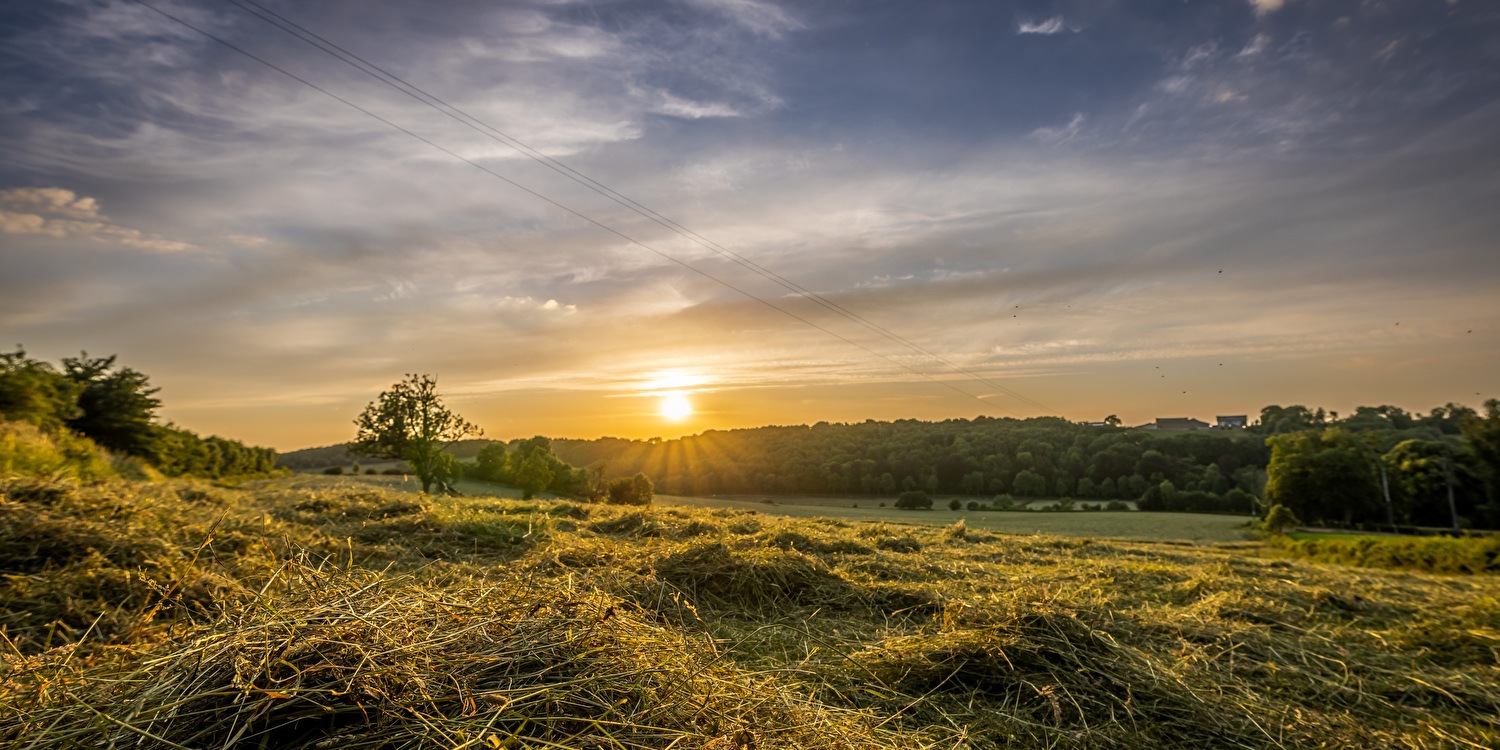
832	209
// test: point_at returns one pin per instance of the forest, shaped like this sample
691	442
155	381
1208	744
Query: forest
1322	467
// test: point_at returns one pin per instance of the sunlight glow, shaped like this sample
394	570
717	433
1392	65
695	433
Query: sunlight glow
676	407
673	379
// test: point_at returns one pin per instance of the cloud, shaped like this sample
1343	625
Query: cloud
1056	135
52	200
1052	25
61	213
1255	46
1262	7
675	106
760	17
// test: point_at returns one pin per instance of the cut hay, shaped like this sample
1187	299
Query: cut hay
753	579
351	659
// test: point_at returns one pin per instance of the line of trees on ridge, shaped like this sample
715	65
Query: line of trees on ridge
115	407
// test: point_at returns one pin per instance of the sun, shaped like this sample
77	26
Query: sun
676	407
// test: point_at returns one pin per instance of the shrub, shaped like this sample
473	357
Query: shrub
27	450
393	472
1117	505
370	471
955	504
1280	518
913	500
973	505
636	490
1003	502
334	471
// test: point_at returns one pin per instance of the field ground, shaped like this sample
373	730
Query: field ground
1197	528
311	612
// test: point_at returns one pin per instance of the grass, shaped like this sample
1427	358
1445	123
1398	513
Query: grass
1433	554
1197	528
310	612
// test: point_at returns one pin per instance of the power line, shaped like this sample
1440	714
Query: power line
453	112
544	198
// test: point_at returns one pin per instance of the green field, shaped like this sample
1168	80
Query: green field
1198	528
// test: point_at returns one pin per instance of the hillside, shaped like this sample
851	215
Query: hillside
315	612
339	455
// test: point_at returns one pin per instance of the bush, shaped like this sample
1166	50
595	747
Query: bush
1280	518
392	472
955	504
913	500
28	450
973	505
1003	502
370	472
334	471
1117	505
636	490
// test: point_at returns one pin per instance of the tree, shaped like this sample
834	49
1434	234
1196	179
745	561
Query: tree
489	464
1324	476
1029	484
409	423
532	474
116	407
32	391
636	490
913	500
1112	420
1483	436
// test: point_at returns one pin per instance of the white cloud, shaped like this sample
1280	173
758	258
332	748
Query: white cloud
60	213
52	200
1063	134
762	18
1050	26
675	106
1255	46
1263	7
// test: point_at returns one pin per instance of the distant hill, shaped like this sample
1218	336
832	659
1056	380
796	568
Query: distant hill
339	455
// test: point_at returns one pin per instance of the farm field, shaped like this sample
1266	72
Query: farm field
306	612
1197	528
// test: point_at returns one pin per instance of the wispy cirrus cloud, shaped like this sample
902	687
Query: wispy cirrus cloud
1054	25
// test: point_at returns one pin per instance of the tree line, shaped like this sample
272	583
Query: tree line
115	407
1382	467
1027	458
1327	469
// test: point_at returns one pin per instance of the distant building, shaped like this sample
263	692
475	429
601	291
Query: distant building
1180	423
1234	422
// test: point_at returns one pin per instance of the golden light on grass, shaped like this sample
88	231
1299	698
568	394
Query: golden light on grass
676	407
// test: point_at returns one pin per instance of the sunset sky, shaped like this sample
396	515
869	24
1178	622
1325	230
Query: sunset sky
1143	208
